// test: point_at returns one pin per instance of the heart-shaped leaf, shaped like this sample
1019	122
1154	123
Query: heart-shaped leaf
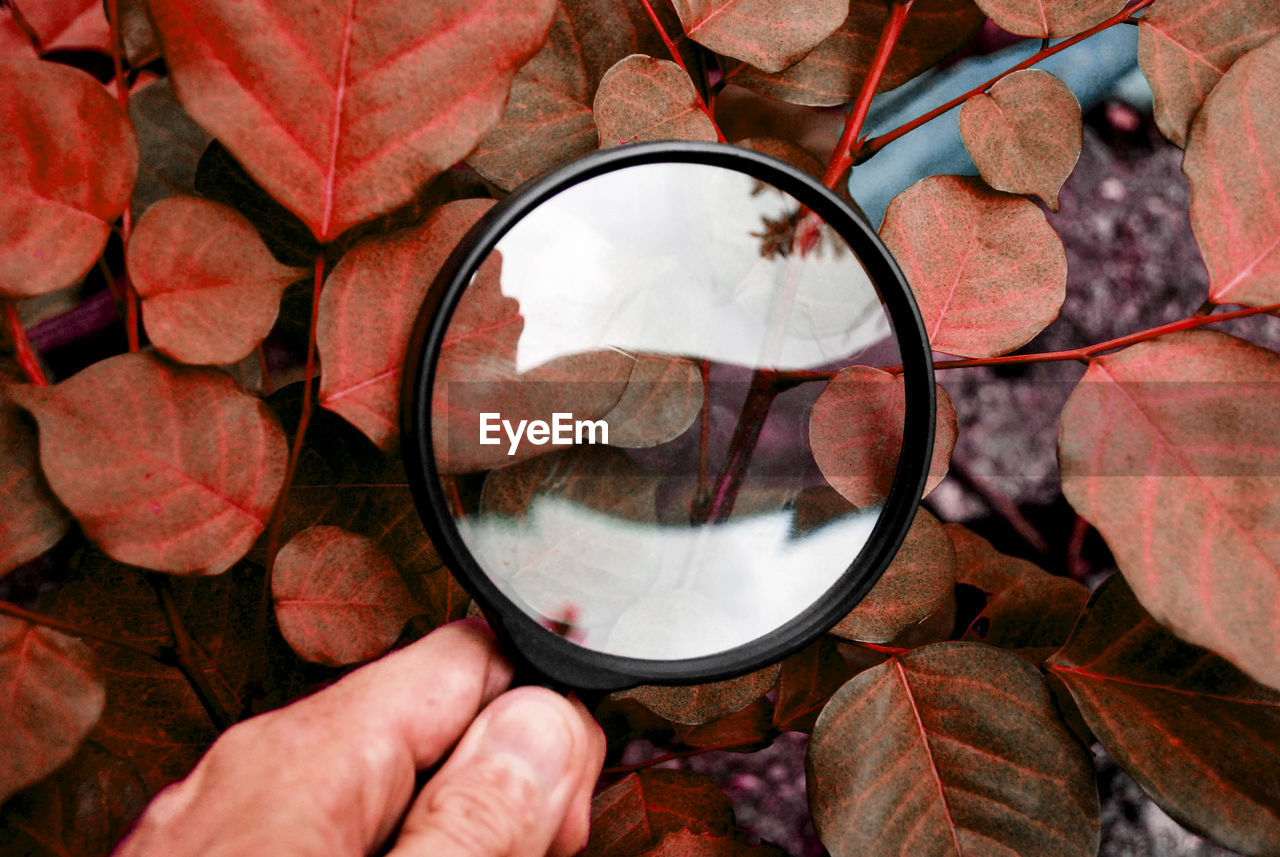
959	751
166	467
67	167
367	310
1025	134
1233	161
920	580
855	432
642	98
1186	46
702	703
1197	734
1049	18
210	288
987	269
769	34
1167	448
67	25
314	100
338	597
634	813
31	519
50	697
833	72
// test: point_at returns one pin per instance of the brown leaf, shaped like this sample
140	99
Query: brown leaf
920	580
138	40
1052	18
315	102
987	269
1025	134
1197	734
367	310
953	749
744	731
1186	46
169	144
67	25
855	432
67	166
662	398
210	289
684	843
1233	161
807	680
637	811
980	565
702	703
338	597
833	72
1168	448
600	478
31	518
769	34
642	99
166	467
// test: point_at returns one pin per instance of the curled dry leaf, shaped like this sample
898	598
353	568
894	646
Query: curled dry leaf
769	34
1186	46
833	72
67	25
1025	134
1197	734
920	581
987	269
367	310
31	519
855	432
1049	18
50	698
338	597
343	115
634	813
702	703
63	179
1169	449
1233	162
166	467
959	751
642	99
210	289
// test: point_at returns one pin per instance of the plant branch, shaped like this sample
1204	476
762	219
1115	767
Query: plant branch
876	647
755	410
26	355
163	654
704	433
675	55
842	157
875	144
189	662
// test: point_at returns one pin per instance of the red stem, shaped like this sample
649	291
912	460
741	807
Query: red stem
842	157
875	144
876	647
126	219
268	386
754	412
675	55
26	355
164	654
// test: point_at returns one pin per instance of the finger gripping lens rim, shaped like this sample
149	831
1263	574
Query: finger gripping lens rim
565	663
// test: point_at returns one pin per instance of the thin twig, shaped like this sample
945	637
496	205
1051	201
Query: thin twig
26	355
679	60
163	654
189	662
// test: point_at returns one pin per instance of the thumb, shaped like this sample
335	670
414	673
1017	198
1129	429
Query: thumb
518	784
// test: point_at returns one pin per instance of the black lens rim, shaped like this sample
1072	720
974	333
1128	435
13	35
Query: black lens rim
566	664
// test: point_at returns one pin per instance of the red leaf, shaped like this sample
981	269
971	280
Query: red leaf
769	34
1053	18
31	519
683	843
50	697
1025	134
855	432
67	25
67	165
953	749
987	269
1186	46
210	288
343	112
338	597
920	581
1168	448
702	703
1233	161
833	72
367	312
15	44
642	99
166	467
743	731
1198	736
637	811
807	680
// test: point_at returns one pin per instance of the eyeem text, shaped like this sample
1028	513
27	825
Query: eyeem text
563	429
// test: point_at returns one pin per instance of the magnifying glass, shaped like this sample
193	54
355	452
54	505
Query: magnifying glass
605	414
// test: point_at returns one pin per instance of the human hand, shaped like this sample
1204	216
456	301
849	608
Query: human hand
334	773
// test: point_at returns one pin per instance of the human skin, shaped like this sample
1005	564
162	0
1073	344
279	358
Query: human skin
335	773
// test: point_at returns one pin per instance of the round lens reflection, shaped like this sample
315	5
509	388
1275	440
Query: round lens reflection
620	410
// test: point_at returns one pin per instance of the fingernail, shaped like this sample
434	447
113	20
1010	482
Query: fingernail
534	731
